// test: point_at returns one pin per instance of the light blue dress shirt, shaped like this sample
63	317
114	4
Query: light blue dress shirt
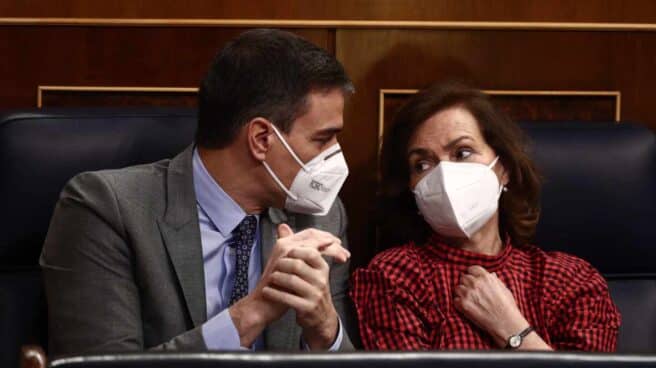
218	216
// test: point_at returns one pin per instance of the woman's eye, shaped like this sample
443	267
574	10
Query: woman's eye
463	153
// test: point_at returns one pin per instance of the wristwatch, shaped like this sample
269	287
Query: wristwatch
515	341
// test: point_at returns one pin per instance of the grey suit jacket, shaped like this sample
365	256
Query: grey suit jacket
123	267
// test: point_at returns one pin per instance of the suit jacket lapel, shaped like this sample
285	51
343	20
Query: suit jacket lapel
282	334
181	234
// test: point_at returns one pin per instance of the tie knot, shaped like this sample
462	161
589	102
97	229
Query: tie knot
247	224
244	233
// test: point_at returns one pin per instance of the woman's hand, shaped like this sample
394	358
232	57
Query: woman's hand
488	303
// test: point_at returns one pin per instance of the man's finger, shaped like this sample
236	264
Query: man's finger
309	255
340	248
293	301
314	233
284	231
292	283
299	268
326	246
336	251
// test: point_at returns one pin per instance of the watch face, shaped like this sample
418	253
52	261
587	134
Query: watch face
515	341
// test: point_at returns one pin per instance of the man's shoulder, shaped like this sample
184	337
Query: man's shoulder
131	178
139	186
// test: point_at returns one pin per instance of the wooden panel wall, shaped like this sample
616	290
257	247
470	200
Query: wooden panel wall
121	48
111	56
528	105
428	10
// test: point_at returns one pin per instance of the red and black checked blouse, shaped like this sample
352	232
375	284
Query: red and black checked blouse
404	298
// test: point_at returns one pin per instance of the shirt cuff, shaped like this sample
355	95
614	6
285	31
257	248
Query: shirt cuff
338	339
220	333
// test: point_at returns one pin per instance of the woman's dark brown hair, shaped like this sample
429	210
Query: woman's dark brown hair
519	207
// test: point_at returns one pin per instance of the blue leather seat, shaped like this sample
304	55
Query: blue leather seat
599	203
40	150
599	200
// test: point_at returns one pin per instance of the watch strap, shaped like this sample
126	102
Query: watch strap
527	331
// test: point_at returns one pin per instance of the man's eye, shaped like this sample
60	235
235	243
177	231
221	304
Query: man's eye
421	166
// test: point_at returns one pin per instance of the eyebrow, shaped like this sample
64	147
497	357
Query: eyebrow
420	152
327	132
456	141
426	152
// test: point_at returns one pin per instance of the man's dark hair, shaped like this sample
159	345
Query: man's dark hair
267	73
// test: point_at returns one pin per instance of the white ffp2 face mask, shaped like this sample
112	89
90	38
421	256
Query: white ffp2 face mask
457	198
316	185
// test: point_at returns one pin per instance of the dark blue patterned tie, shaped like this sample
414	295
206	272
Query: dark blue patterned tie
242	240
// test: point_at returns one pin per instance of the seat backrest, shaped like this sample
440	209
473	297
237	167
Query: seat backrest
599	200
599	203
40	150
369	359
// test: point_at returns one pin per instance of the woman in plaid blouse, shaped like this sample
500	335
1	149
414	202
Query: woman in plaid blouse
466	277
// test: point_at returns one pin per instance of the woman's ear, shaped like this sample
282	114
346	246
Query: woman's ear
504	178
259	135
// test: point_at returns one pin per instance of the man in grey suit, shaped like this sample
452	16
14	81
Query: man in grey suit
238	242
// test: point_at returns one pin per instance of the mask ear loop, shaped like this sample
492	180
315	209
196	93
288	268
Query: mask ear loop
273	175
280	184
494	162
289	149
503	188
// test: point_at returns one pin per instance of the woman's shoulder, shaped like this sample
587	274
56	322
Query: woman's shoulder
555	260
560	270
552	257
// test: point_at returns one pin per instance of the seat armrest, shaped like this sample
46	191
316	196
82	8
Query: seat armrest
32	356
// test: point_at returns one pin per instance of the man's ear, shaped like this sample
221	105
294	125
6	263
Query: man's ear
260	137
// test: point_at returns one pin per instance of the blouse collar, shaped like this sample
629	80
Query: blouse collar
467	258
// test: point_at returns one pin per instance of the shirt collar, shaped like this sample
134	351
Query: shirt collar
221	209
